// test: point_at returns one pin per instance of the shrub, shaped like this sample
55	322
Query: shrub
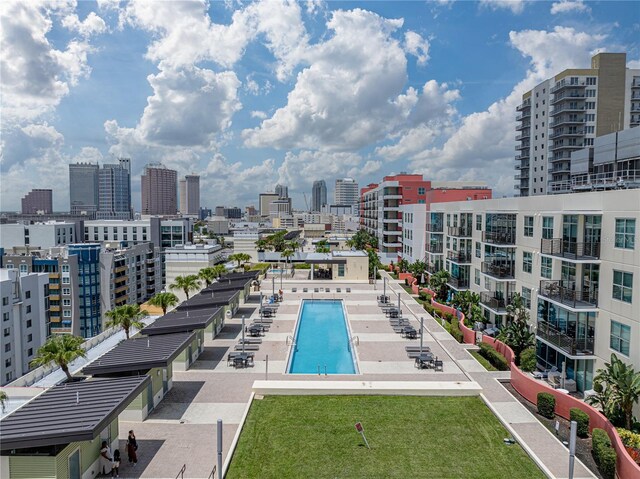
496	359
429	309
302	266
528	360
447	316
603	454
629	439
424	296
406	281
546	405
455	331
582	418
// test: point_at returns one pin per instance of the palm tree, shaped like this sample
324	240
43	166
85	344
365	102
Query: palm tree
262	244
374	263
286	254
438	282
322	246
220	270
61	349
208	275
240	258
164	301
403	264
186	283
3	400
126	317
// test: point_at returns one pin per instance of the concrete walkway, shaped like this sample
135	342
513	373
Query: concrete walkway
548	452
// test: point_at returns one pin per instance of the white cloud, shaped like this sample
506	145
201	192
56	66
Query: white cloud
516	6
417	46
92	25
36	75
258	114
300	170
566	6
633	64
349	96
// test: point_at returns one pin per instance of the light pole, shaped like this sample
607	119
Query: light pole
243	334
572	447
421	333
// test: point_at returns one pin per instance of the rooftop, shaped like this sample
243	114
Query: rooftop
208	300
182	321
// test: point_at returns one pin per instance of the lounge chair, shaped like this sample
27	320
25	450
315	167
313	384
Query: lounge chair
251	341
247	347
268	320
438	365
413	349
413	355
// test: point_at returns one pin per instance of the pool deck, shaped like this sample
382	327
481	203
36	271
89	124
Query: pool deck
182	429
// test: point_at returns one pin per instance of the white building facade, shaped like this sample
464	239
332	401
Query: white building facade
184	260
573	258
414	218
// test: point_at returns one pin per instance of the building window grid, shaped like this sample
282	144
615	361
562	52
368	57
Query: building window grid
622	286
527	262
546	267
620	337
625	233
547	227
528	226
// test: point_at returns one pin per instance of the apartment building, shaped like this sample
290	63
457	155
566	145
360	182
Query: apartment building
114	191
566	113
38	201
89	319
159	188
573	258
163	233
25	320
347	192
130	275
64	288
318	195
183	260
381	205
264	202
190	195
83	188
38	235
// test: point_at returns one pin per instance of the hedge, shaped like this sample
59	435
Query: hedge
424	296
496	359
582	418
455	331
603	454
302	266
528	360
546	405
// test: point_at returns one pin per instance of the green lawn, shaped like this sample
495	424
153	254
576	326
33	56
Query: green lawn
484	361
410	437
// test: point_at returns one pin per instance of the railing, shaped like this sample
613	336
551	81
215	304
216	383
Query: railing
564	84
565	342
494	302
564	292
435	248
500	270
181	472
459	256
499	237
461	231
562	121
570	249
459	283
433	227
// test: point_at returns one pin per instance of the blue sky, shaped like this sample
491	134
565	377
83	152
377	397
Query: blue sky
249	95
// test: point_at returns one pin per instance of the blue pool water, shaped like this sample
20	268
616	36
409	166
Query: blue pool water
322	339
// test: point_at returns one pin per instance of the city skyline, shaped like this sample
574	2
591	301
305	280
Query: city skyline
111	80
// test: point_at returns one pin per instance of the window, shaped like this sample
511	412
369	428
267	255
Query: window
5	316
546	267
24	268
7	362
6	332
66	314
29	323
7	347
28	308
620	337
30	352
29	338
547	227
421	191
478	222
66	302
65	268
528	226
65	280
527	262
590	93
9	376
625	233
476	278
66	291
340	270
478	250
622	284
5	300
526	297
591	80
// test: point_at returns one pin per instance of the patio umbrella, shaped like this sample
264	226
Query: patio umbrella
421	333
243	333
422	279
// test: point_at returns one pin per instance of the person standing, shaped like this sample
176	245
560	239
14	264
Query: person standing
115	472
132	447
106	459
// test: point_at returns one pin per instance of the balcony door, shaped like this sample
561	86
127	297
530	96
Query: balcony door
569	233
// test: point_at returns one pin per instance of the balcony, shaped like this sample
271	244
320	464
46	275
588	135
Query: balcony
524	154
494	301
392	197
523	125
564	292
572	96
498	269
459	257
458	283
459	231
433	227
635	84
391	245
563	341
499	237
433	268
566	133
559	109
523	115
523	136
560	168
565	121
523	105
434	248
562	85
561	146
521	166
523	146
570	249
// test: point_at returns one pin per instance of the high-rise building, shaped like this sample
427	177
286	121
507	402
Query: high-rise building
114	194
265	200
25	320
566	113
88	254
190	195
282	191
347	192
381	205
83	188
38	201
318	195
159	190
573	258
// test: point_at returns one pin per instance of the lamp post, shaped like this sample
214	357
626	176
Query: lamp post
421	333
243	334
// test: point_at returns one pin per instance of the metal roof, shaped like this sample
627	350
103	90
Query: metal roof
247	274
182	321
140	354
231	285
77	411
208	300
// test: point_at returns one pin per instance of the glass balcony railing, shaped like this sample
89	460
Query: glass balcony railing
498	269
459	231
570	249
565	292
563	341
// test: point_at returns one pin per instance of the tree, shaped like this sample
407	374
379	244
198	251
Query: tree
468	302
286	254
417	269
322	246
220	270
402	264
517	334
262	245
126	317
294	244
164	301
61	349
3	400
240	258
208	275
187	284
362	240
374	262
438	283
617	389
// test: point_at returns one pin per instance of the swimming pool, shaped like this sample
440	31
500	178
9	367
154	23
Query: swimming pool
322	340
